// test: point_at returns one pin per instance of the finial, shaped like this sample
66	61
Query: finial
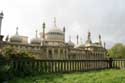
36	33
43	24
100	39
64	29
17	30
89	34
99	36
55	21
77	37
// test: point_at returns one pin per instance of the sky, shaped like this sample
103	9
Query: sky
105	17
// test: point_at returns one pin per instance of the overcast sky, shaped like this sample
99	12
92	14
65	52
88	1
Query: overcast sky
105	17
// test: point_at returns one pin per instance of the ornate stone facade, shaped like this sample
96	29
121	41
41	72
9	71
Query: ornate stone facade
52	45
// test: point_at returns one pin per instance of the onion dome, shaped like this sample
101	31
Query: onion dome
88	41
16	37
55	34
36	40
1	15
70	43
81	46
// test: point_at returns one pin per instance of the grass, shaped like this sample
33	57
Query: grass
103	76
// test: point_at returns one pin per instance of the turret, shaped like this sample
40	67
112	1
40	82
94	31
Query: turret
64	32
89	36
1	17
44	30
88	41
100	41
77	37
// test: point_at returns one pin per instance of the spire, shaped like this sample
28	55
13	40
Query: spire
55	21
64	33
89	38
77	37
100	39
1	17
89	35
44	26
17	30
36	33
64	29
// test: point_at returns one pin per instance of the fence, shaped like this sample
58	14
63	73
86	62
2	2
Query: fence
47	66
118	63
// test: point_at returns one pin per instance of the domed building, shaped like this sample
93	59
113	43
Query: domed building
55	36
52	45
16	38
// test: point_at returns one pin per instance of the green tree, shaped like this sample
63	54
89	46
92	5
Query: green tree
117	51
11	52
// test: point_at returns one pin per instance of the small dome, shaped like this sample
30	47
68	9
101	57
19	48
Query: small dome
88	42
16	38
36	41
81	46
70	43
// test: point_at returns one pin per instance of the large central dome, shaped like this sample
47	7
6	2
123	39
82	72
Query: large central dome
55	34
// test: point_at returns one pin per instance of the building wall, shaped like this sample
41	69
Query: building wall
59	52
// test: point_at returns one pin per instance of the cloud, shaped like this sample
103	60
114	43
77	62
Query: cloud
105	17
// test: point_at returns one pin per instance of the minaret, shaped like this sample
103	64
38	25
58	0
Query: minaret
1	17
43	30
89	36
17	30
100	41
64	32
44	26
77	37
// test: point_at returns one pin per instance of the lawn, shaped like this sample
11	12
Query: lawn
103	76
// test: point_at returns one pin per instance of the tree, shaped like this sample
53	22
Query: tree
11	52
117	51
